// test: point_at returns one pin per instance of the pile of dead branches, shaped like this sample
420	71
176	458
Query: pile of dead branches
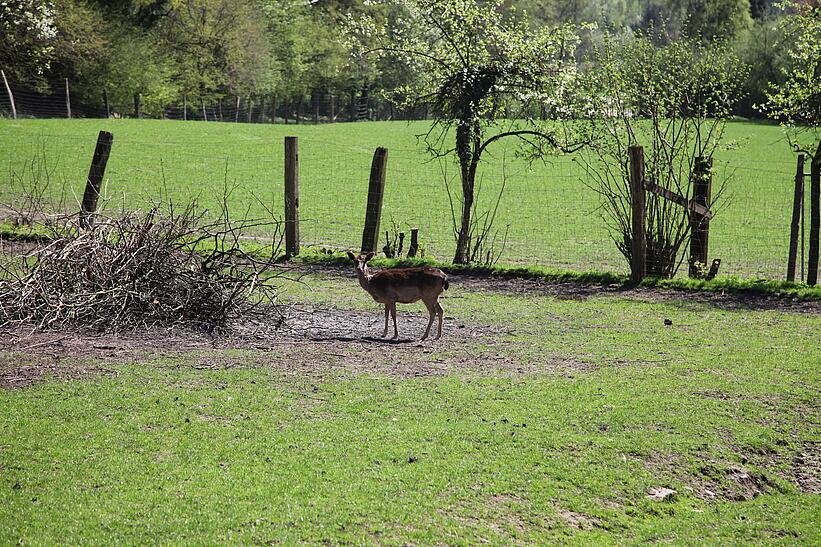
142	270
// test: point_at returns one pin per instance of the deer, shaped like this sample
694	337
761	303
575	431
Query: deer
403	285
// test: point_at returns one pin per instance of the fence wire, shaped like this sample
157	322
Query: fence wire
59	99
546	213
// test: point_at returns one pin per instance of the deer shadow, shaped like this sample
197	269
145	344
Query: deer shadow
372	339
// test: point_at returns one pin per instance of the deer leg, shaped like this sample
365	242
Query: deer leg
440	312
387	311
432	313
393	314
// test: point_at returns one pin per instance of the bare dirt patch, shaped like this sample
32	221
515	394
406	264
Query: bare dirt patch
579	521
308	341
315	342
712	480
805	468
15	373
18	247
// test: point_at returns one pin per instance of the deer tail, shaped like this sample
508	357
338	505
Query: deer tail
446	284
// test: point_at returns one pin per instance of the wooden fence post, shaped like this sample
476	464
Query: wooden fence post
797	208
815	217
638	241
11	97
236	112
95	178
138	105
185	107
700	224
204	111
291	196
414	244
107	106
376	189
68	101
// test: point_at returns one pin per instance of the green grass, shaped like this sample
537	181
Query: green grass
611	402
720	284
553	218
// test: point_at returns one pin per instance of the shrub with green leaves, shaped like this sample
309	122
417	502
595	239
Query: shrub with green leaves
673	97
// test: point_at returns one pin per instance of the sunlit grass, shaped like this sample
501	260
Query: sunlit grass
551	217
611	402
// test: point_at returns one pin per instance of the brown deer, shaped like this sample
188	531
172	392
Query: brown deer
405	285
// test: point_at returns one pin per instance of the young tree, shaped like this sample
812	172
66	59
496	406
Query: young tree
470	58
674	100
797	102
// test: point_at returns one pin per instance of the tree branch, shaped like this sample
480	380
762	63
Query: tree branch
569	149
410	52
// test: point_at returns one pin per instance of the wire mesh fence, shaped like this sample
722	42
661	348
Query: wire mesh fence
66	99
544	213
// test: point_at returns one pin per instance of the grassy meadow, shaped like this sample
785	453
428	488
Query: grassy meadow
547	413
550	427
552	218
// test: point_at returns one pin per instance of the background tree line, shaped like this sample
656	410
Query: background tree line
293	52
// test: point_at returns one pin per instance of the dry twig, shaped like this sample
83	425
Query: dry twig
141	270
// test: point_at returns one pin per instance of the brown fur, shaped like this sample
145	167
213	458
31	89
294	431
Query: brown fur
403	285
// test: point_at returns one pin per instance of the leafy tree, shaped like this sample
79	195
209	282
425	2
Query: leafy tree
760	9
27	32
469	59
673	99
81	46
763	49
143	14
797	102
308	53
709	19
216	44
137	64
96	48
697	18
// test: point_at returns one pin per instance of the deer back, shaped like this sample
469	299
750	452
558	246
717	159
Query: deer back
408	285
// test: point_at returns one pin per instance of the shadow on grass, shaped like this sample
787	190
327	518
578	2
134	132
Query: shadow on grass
372	339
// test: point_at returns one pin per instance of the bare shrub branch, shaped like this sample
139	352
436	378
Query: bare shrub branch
144	269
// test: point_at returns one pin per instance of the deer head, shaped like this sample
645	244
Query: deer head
361	261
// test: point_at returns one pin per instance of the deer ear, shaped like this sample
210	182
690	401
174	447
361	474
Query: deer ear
369	256
351	256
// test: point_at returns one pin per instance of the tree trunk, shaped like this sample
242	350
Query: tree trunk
467	147
463	242
815	217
